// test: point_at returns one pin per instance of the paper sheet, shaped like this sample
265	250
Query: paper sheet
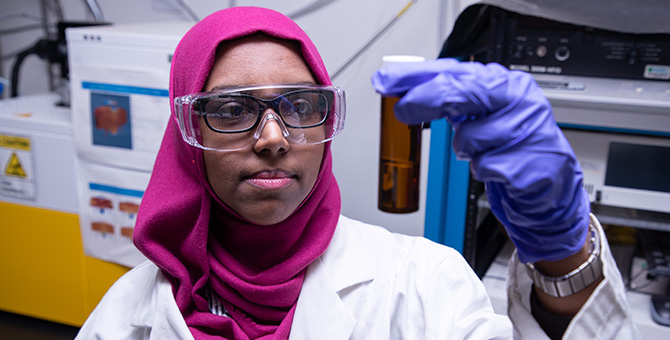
119	124
109	199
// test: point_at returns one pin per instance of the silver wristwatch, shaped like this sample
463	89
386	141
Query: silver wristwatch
576	280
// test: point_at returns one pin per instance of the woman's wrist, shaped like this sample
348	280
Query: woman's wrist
566	265
568	305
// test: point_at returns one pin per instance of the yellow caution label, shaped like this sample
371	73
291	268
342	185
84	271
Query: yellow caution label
13	142
14	167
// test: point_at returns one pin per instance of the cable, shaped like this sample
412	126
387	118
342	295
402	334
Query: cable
21	29
372	40
45	49
55	7
17	66
310	8
49	35
95	10
6	17
188	10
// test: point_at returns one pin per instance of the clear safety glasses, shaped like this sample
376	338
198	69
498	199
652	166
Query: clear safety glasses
233	118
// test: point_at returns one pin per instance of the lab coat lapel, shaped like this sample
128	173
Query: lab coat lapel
159	314
320	312
169	323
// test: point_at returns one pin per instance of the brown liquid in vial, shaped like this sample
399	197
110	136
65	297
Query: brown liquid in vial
399	162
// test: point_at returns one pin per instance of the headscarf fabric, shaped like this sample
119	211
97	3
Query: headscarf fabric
204	247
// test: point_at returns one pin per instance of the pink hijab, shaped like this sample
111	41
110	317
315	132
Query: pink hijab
198	242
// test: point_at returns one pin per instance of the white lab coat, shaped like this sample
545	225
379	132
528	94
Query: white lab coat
372	284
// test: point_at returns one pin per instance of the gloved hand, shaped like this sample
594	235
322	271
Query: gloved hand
504	125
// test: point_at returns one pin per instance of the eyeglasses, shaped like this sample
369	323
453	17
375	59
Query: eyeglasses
307	114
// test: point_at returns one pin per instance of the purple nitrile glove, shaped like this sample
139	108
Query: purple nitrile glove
504	125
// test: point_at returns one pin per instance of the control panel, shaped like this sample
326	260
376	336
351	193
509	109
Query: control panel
544	46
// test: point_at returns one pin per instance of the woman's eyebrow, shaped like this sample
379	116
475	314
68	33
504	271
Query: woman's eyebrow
221	87
226	86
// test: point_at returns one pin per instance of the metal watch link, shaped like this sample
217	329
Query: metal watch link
576	280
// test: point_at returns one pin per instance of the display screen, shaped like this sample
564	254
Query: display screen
636	166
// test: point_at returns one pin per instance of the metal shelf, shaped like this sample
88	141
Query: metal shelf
633	218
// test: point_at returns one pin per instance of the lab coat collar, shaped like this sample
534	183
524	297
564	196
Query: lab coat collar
320	309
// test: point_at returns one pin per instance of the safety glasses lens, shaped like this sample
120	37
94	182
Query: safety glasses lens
230	113
304	108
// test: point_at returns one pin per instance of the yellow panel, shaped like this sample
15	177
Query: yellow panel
41	260
101	275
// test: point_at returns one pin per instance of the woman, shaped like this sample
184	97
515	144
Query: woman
241	220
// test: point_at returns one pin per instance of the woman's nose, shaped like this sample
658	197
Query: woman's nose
271	135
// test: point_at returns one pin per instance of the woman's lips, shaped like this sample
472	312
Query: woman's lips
270	179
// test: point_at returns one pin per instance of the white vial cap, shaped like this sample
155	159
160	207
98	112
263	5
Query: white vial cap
395	59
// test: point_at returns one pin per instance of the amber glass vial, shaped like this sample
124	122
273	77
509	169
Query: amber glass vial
399	156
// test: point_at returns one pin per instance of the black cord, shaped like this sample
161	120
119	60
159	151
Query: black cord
17	66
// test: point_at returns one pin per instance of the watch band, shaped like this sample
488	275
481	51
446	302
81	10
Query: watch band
576	280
